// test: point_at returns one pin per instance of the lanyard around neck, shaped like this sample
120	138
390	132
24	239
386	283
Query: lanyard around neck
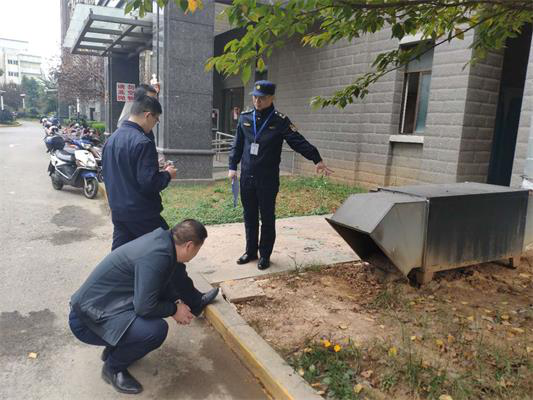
256	133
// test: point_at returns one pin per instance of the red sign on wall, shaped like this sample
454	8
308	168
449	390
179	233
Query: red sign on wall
125	91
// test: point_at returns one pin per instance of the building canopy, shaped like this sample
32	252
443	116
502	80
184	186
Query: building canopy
104	31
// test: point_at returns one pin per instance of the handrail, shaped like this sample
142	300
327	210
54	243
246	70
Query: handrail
223	141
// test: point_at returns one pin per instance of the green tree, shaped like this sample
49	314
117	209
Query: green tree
11	96
318	23
34	91
1	72
49	102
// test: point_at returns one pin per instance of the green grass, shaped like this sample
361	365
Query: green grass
213	204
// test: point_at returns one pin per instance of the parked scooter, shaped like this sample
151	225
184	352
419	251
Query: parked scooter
85	144
50	129
72	167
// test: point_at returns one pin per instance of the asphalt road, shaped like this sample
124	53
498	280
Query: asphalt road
49	242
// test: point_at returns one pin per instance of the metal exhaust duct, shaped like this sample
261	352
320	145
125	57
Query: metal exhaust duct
430	228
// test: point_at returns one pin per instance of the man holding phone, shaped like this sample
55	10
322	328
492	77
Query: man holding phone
132	176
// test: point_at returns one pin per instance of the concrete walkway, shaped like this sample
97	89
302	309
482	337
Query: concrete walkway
301	241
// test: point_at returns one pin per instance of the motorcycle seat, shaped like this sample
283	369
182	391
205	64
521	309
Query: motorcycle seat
65	156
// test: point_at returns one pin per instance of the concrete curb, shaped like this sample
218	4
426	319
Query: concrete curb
278	377
16	125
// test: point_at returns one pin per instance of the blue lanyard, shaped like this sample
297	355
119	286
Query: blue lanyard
257	134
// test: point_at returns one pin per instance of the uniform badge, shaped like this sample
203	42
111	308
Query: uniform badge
246	124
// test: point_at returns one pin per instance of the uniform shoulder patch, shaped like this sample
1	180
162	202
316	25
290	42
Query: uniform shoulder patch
281	115
293	127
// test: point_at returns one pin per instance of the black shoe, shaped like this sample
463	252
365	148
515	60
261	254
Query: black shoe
264	263
105	353
246	258
208	297
122	381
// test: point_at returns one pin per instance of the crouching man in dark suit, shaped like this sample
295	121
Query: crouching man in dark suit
123	302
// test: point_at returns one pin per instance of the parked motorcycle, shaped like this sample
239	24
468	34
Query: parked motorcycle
69	166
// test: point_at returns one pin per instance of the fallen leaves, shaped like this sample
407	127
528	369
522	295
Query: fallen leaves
367	374
358	388
32	355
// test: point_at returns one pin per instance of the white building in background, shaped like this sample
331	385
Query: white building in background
16	61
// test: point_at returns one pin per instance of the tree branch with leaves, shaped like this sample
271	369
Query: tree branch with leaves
318	23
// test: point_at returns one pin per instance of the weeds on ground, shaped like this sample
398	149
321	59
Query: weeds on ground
389	298
300	267
330	368
346	372
495	373
213	204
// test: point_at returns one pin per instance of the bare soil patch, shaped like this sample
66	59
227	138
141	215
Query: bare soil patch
467	335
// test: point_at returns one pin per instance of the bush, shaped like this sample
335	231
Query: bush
6	116
97	126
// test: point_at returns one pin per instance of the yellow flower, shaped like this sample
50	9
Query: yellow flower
393	351
327	343
337	348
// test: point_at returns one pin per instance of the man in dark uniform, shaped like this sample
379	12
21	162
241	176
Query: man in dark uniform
257	144
131	174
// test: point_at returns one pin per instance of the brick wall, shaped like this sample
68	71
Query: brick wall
525	130
479	119
355	141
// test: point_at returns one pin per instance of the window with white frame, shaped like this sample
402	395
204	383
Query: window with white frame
415	95
15	74
13	62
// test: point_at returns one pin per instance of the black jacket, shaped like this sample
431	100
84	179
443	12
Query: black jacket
140	278
266	162
131	174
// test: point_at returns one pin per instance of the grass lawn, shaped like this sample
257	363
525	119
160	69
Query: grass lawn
213	204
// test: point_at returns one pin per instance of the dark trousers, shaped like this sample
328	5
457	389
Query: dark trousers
258	198
126	231
142	337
